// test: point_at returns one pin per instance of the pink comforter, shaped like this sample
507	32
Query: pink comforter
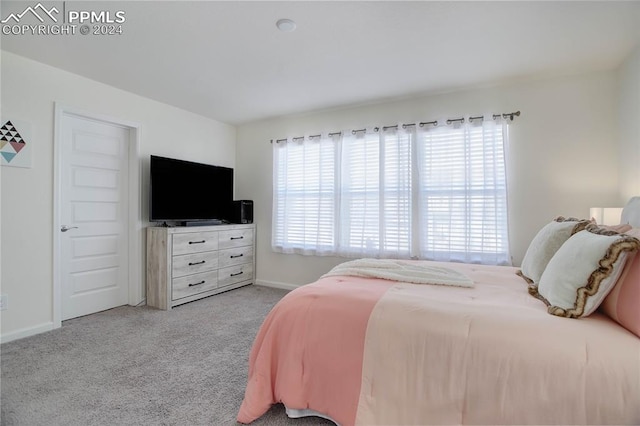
369	351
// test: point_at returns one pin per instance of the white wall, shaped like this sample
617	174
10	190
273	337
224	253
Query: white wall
29	90
562	158
629	125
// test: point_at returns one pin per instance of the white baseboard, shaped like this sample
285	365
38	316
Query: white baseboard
275	284
26	332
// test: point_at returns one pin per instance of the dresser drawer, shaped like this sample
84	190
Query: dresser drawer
188	264
236	238
235	256
235	274
193	284
194	242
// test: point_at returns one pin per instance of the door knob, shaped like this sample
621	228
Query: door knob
64	228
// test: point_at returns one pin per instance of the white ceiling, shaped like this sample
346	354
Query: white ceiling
227	60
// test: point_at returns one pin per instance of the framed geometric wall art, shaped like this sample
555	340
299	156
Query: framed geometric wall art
15	143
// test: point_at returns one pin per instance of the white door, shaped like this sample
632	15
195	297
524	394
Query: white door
93	216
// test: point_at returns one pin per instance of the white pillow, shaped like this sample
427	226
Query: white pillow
631	212
545	244
584	270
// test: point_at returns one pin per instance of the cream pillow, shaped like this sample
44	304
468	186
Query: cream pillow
545	244
584	270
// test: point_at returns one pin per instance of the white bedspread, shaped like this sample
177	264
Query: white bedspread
402	271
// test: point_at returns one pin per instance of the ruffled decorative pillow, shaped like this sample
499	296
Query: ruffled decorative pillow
623	303
545	244
620	229
584	270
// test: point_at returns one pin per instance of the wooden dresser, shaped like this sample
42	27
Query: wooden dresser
189	263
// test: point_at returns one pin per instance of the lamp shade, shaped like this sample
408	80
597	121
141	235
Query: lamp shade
606	215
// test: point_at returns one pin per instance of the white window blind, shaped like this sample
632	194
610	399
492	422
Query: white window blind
304	196
462	194
375	195
436	193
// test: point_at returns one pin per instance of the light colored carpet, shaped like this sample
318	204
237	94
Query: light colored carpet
141	366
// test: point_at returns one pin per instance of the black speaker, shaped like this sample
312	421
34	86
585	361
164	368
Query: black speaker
241	211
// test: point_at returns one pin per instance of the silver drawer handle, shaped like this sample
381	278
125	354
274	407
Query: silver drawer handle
196	263
237	255
194	284
237	238
197	242
234	275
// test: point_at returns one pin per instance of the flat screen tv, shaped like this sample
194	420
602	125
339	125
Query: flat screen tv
188	192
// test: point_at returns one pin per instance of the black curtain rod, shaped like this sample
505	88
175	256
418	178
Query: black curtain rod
507	115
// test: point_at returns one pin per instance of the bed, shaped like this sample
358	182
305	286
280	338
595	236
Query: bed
363	351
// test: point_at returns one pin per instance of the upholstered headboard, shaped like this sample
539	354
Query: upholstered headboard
631	213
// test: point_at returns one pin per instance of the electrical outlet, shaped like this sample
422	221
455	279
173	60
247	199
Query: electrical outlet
4	302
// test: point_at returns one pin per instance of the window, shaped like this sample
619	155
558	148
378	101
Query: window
462	194
436	193
304	202
375	196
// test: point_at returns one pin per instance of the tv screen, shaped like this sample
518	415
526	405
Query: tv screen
187	191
